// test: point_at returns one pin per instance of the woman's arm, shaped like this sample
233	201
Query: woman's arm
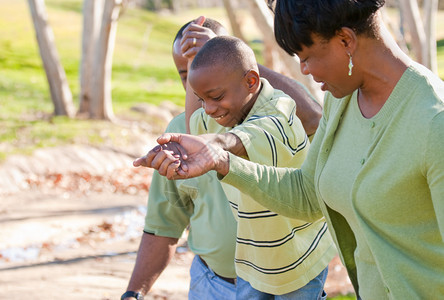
434	159
288	192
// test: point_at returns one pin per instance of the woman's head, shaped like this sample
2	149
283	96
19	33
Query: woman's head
297	21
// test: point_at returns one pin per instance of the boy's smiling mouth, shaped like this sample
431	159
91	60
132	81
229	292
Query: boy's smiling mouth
219	118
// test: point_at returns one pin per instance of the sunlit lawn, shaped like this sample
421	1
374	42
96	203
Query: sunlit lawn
143	71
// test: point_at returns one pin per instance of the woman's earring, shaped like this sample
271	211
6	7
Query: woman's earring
350	65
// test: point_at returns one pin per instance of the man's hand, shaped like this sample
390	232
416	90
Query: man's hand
201	156
194	37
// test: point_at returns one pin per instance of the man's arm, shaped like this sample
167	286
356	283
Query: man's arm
307	109
155	252
191	105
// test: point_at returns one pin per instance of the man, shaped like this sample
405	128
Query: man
173	205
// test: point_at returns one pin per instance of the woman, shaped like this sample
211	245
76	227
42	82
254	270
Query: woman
375	169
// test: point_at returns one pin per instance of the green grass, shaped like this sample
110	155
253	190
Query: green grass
143	71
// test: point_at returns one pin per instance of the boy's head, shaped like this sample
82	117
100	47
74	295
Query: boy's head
182	62
225	77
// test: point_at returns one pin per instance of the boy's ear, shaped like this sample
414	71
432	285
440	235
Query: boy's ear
252	80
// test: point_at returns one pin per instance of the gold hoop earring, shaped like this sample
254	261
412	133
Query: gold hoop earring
350	65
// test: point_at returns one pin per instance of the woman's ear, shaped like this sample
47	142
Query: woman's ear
348	39
252	80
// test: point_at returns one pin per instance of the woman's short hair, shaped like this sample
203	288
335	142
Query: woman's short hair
296	21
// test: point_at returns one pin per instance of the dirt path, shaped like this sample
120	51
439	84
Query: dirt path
79	247
71	226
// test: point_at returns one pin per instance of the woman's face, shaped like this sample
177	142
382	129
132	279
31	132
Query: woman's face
327	62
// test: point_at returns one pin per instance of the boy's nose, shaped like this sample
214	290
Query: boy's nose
209	108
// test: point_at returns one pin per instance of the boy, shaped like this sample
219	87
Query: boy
276	257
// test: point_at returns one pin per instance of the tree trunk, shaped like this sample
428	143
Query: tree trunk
422	34
60	92
430	12
234	22
396	29
410	10
92	15
101	102
264	20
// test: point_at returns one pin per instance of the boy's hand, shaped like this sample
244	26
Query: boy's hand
160	158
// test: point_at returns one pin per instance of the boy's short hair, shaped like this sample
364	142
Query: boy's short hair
227	50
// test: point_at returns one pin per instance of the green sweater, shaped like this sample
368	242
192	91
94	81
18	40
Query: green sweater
396	198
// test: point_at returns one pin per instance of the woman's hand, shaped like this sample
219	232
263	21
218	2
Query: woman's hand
201	156
161	158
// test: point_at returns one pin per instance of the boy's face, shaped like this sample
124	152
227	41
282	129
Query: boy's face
225	94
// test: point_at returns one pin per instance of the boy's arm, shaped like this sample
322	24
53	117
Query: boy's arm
308	109
229	142
201	124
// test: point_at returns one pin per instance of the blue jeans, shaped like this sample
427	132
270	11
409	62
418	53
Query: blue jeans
314	290
205	284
